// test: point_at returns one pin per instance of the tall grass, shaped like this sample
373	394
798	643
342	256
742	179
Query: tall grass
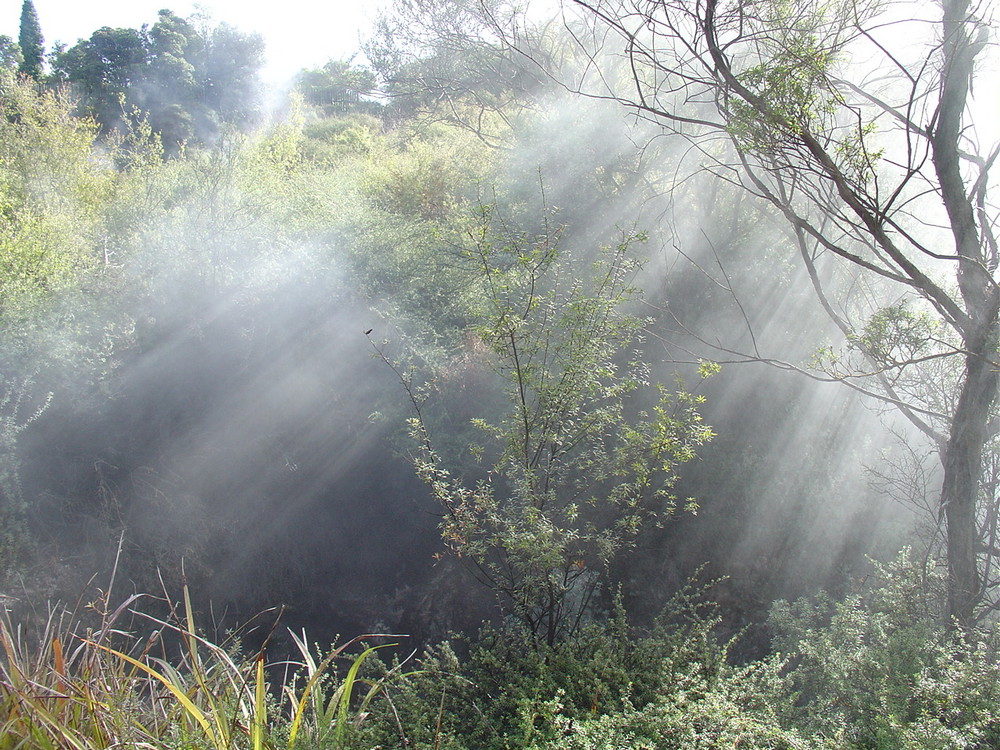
64	685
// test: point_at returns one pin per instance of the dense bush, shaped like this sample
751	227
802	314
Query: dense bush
873	671
879	670
607	687
198	322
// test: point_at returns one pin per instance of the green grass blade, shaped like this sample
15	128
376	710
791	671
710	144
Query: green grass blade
308	688
345	697
197	669
62	735
259	706
186	703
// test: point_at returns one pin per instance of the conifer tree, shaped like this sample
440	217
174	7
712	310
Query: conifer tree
31	42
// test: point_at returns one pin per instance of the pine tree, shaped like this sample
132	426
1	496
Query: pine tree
31	42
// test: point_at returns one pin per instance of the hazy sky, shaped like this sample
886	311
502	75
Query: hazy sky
299	33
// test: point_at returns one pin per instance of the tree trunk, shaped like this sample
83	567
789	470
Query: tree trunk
963	463
963	454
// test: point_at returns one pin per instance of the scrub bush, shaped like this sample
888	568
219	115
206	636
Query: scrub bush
609	686
879	670
874	671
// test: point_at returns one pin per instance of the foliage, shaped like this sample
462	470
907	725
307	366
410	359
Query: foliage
333	140
10	55
567	475
227	72
104	244
339	87
188	79
54	194
874	670
896	334
909	348
401	210
878	670
850	161
51	192
101	70
105	247
444	60
16	415
791	72
727	710
503	695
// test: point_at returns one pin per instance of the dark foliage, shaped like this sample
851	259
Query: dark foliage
187	81
339	88
31	42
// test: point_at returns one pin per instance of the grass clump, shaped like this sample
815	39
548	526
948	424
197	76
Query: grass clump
67	685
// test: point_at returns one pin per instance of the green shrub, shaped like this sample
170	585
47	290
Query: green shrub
605	685
727	710
874	671
879	670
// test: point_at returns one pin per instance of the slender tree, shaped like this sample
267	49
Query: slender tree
871	155
31	42
567	475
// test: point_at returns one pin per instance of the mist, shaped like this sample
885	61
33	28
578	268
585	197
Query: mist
238	426
607	375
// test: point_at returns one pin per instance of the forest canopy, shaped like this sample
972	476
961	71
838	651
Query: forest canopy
187	78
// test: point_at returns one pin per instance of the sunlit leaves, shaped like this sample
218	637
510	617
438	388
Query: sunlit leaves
785	83
792	85
897	334
53	189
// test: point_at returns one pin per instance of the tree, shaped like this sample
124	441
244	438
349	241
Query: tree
103	72
10	55
569	472
228	74
338	87
187	79
31	42
878	175
445	58
169	92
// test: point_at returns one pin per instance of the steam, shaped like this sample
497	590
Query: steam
236	431
787	499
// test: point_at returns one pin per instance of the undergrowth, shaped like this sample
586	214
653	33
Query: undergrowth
875	670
